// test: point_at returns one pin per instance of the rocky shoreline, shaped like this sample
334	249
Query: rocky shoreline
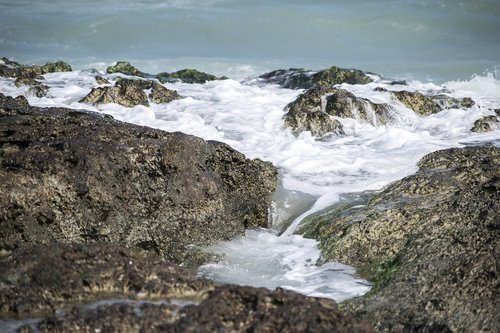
98	216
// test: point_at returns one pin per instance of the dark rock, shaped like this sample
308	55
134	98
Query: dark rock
126	68
101	80
187	76
159	94
430	243
314	109
426	105
137	293
55	67
75	176
486	124
40	279
299	78
497	112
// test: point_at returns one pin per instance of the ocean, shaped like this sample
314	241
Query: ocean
446	47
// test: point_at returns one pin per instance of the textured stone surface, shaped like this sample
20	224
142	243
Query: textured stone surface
299	78
62	283
14	69
75	176
486	124
124	67
430	243
188	76
426	105
130	93
313	111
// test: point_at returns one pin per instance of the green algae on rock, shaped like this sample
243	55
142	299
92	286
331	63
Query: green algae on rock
124	67
430	243
299	78
188	76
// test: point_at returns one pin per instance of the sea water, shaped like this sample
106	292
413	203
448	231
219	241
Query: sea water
437	46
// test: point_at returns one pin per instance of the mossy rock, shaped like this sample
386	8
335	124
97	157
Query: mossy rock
124	67
187	76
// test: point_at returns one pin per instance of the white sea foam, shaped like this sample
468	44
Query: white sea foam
249	118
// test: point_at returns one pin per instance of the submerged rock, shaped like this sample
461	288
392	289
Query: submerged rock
44	280
486	124
101	80
430	243
299	78
36	87
314	109
187	76
124	67
426	105
130	93
76	176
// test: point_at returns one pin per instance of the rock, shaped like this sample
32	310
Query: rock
497	112
187	76
426	105
101	80
486	124
159	94
126	68
130	93
76	176
313	111
430	243
103	287
299	78
36	87
39	279
15	70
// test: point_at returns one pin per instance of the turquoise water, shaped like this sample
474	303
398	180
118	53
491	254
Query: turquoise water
425	39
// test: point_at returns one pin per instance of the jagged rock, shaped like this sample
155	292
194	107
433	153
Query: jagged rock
43	280
299	78
82	177
16	70
36	87
130	93
126	68
486	124
497	112
101	80
159	94
314	109
430	243
426	105
187	76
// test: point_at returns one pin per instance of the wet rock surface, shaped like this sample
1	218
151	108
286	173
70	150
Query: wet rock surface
130	93
63	283
16	70
187	76
75	176
486	124
299	78
430	243
124	67
313	111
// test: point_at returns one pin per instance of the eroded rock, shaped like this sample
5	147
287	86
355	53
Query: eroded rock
430	243
486	124
314	109
16	70
75	176
124	67
103	287
188	76
426	105
130	93
299	78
